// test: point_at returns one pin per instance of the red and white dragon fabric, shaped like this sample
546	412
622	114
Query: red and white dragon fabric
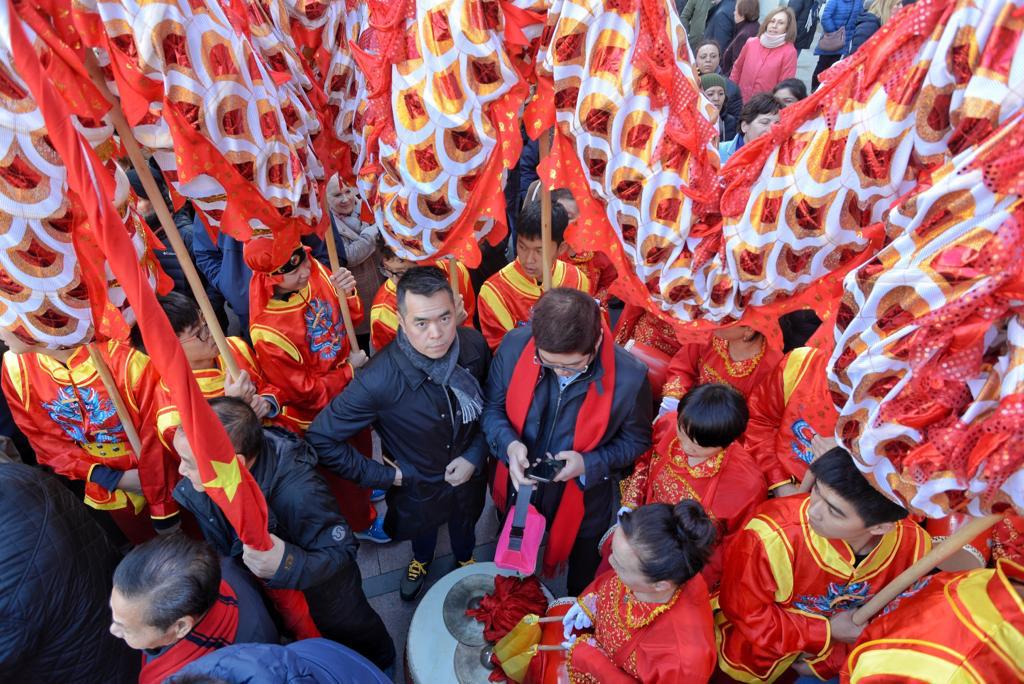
57	289
929	359
220	99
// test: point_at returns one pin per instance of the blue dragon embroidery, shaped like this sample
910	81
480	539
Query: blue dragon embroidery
839	597
914	588
324	335
804	433
99	424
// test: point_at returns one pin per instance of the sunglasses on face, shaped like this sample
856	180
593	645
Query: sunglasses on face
294	261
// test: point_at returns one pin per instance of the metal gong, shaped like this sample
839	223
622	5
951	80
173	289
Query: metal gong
465	595
473	663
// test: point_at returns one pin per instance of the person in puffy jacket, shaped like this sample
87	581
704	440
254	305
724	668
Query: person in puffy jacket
874	16
310	661
838	14
55	579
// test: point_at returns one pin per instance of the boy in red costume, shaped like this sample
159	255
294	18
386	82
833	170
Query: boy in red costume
61	405
697	456
507	297
208	366
303	349
297	329
796	572
384	312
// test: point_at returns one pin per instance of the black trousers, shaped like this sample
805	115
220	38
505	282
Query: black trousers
343	614
824	62
583	561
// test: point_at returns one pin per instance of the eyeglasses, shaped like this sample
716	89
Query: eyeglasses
567	369
293	263
388	273
201	333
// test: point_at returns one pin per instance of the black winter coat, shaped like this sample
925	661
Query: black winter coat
550	426
56	566
420	427
721	23
301	511
867	25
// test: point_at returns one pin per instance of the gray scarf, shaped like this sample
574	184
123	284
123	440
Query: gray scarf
447	372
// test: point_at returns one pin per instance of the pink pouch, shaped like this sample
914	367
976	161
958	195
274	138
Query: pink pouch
519	543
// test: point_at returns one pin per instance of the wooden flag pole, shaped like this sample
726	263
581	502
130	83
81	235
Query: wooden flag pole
453	274
332	256
156	198
922	567
115	396
545	216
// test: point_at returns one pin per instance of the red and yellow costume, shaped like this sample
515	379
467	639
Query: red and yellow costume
384	311
301	344
650	339
211	383
786	412
69	419
700	364
653	643
729	486
782	582
599	271
959	627
507	297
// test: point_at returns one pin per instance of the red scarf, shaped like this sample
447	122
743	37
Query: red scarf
591	423
217	629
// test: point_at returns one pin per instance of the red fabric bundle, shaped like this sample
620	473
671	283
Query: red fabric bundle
512	598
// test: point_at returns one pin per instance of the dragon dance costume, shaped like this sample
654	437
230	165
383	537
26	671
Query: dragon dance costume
786	412
958	627
69	419
211	383
782	581
507	297
301	343
384	311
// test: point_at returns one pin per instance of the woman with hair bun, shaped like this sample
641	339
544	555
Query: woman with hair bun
650	620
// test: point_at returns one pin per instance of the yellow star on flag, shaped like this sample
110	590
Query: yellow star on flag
228	477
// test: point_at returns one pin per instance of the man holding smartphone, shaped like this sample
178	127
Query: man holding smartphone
566	409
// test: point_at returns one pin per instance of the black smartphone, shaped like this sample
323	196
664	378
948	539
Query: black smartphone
545	469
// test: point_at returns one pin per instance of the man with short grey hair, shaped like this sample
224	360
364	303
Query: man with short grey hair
171	601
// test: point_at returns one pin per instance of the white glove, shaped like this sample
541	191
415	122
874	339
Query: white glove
668	405
576	620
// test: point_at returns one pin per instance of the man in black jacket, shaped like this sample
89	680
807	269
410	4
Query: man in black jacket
313	548
561	389
423	396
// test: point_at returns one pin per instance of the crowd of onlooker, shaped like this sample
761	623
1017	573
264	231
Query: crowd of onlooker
748	68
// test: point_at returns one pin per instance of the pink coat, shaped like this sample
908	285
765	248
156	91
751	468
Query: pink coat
758	69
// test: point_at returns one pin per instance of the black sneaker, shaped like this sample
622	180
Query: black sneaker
412	583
